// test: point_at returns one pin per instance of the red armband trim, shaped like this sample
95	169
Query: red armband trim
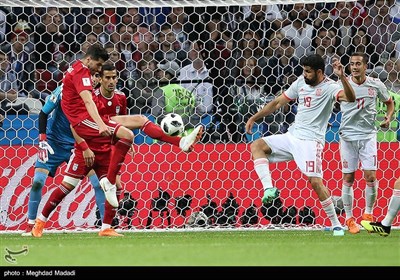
83	146
42	137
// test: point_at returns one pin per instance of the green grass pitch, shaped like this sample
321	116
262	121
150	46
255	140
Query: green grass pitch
204	248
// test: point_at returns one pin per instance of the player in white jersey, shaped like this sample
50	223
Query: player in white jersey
358	137
304	141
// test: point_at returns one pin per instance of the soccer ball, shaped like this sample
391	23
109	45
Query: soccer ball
172	124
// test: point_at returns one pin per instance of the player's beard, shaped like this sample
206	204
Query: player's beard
311	82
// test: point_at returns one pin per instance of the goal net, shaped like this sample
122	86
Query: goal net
234	56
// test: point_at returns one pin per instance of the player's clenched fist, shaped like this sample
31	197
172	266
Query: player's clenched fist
338	68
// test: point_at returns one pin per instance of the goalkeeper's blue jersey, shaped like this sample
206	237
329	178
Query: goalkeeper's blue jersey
58	129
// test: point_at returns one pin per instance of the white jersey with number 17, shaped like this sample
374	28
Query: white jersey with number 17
315	105
358	118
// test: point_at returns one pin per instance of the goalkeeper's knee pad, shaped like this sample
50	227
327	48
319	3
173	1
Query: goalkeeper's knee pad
38	180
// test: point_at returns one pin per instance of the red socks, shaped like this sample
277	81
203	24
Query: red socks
55	198
109	211
120	150
156	132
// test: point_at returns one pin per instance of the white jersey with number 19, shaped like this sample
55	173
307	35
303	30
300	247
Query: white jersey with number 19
315	105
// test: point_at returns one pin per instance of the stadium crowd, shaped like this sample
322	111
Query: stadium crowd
232	59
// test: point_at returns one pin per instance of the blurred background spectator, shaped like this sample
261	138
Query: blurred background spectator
196	72
220	51
283	68
326	44
97	24
91	39
392	79
174	98
9	89
20	62
141	97
54	43
360	42
262	19
381	28
299	30
154	17
169	47
127	49
181	26
4	28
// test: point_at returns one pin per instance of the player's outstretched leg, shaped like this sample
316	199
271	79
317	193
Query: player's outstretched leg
187	142
54	200
376	227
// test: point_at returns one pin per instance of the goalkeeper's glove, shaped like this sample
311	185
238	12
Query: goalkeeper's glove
44	149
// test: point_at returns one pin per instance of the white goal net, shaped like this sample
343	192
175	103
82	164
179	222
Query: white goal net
234	57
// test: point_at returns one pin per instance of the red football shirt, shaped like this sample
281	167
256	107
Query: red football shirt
110	106
107	107
76	80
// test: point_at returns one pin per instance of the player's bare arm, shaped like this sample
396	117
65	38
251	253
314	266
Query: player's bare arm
389	113
88	154
268	109
94	113
348	93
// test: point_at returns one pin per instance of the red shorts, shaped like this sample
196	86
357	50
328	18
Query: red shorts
77	168
88	130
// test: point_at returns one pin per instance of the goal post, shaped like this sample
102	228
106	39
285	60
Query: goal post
249	52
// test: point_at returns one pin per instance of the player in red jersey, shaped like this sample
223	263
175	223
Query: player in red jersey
112	103
81	111
95	152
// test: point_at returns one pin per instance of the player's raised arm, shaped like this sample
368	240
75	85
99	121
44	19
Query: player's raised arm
268	109
348	93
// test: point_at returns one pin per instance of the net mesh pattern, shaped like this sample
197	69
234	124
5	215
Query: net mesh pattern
233	57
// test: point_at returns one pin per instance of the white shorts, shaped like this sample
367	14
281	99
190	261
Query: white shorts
363	151
306	153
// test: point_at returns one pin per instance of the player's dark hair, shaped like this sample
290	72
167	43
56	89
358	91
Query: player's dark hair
108	66
314	61
363	55
97	52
